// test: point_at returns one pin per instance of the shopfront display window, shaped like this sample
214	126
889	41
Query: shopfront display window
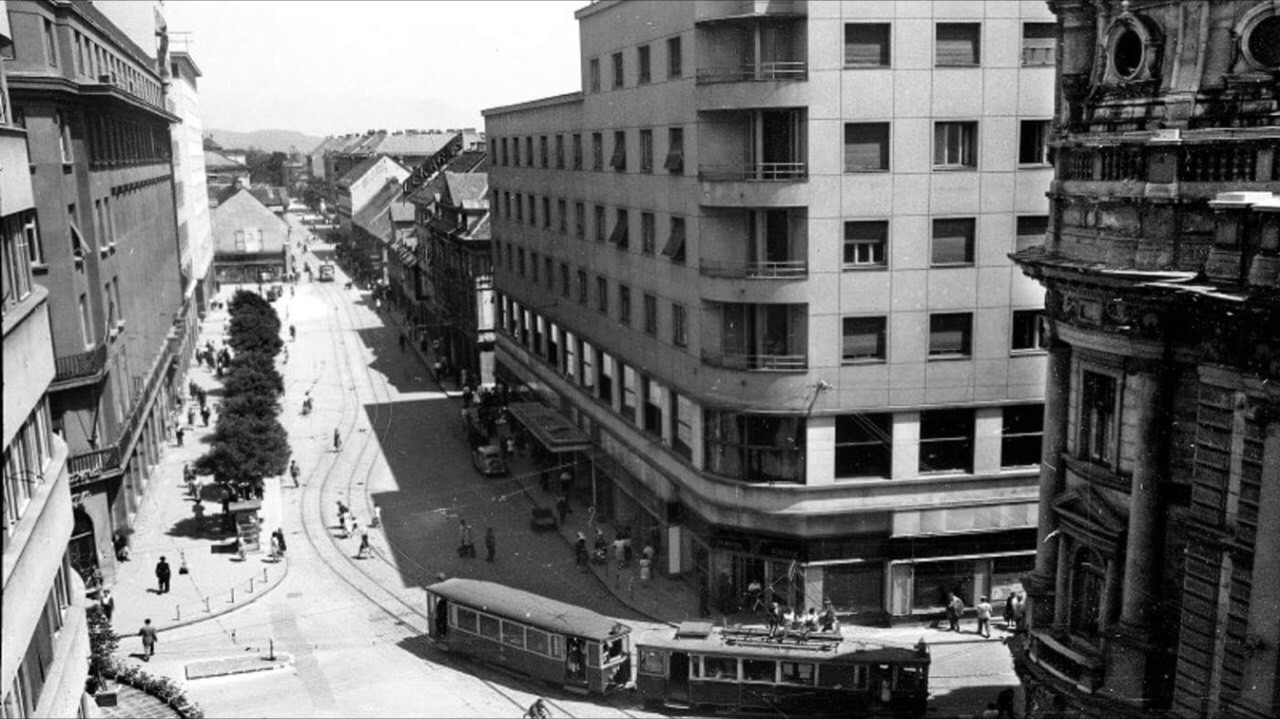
854	588
933	580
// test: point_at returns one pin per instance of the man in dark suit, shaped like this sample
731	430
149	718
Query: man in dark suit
162	575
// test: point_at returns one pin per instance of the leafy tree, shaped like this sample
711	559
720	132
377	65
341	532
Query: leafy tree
256	332
250	405
266	167
246	449
253	374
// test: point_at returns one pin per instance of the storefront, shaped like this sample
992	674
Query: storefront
562	448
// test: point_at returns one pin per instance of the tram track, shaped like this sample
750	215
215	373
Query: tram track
324	481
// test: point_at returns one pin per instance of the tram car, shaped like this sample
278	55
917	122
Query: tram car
522	632
745	669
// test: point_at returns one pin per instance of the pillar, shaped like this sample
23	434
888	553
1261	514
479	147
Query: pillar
1040	583
1260	689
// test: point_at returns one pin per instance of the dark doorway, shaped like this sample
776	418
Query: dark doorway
678	677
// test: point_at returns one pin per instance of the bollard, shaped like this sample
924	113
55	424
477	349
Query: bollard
264	575
206	605
177	612
251	585
272	651
233	595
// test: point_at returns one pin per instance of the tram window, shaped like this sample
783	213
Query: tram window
513	634
695	667
845	676
557	646
653	661
722	668
489	626
759	670
798	673
593	654
910	678
466	620
613	649
536	641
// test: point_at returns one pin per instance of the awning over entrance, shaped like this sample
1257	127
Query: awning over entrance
549	427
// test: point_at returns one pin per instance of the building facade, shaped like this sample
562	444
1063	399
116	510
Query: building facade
93	106
45	646
250	242
1154	591
190	182
761	261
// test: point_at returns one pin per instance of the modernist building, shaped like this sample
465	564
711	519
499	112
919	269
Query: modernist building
190	182
45	646
761	261
250	242
93	106
1155	588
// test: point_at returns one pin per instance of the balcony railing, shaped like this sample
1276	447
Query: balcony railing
78	366
747	72
757	172
1195	163
754	270
756	362
88	466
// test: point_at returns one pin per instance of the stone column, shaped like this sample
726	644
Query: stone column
1131	642
1040	583
1259	685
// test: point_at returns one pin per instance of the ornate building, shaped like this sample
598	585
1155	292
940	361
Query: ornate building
1160	479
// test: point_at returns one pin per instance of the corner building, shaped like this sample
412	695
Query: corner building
761	263
1155	590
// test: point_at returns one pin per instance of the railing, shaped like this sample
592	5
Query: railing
1123	163
747	72
85	364
754	270
1195	163
88	466
756	362
760	171
1219	163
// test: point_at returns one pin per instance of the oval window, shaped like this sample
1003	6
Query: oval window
1127	54
1264	42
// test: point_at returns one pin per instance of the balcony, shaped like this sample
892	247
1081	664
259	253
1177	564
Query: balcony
754	172
754	72
714	11
90	466
756	362
81	369
790	269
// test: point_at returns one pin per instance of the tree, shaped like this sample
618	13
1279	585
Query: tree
246	449
247	380
103	641
266	168
250	405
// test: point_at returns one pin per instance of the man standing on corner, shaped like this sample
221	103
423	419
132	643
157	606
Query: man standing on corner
162	575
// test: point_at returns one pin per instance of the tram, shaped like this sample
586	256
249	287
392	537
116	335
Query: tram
745	669
532	635
326	272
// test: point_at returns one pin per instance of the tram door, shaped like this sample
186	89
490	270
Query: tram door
678	677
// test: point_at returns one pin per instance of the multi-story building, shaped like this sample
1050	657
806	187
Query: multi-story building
45	646
93	106
190	182
761	260
1155	590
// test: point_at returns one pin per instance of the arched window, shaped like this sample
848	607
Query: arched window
1088	582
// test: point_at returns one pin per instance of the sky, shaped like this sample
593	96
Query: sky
328	67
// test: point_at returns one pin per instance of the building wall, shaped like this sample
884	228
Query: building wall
810	382
189	170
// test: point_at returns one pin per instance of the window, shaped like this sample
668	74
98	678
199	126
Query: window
579	220
577	151
1031	231
546	211
864	445
1033	142
675	151
646	150
548	269
759	670
620	236
78	247
50	43
564	280
866	146
865	243
536	641
490	627
650	315
600	229
1021	435
950	334
799	673
34	243
646	233
1028	330
17	259
863	339
952	242
533	266
1088	582
543	150
86	322
513	634
675	241
528	151
1038	40
602	295
723	668
559	152
619	159
64	137
866	44
674	60
624	304
955	145
520	261
959	44
679	325
562	214
513	157
642	59
617	71
593	73
582	287
519	207
1098	417
597	151
946	440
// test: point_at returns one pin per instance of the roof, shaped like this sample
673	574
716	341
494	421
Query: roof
529	608
375	217
355	173
467	161
701	638
415	143
214	160
552	429
242	210
468	190
402	210
269	195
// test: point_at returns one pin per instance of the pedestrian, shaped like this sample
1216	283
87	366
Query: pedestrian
1008	610
342	524
198	510
490	545
954	607
148	634
355	525
342	510
293	333
436	369
294	471
580	550
984	617
204	414
1020	613
162	575
191	415
365	550
537	710
827	619
377	516
275	548
337	440
619	551
178	434
562	507
280	541
108	604
566	482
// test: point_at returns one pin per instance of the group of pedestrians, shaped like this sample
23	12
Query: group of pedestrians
1014	613
467	542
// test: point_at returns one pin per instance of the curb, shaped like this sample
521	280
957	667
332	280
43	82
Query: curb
227	610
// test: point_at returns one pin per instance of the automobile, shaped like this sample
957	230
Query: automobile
326	272
543	520
488	461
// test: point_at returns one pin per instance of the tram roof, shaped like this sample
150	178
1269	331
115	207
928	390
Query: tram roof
529	608
753	645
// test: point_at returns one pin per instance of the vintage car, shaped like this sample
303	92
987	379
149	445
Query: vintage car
488	461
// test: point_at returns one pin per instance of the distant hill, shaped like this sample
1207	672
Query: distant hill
265	140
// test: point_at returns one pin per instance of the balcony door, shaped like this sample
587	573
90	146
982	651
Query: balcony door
775	143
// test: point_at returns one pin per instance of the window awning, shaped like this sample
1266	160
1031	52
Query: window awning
619	235
675	243
549	427
675	161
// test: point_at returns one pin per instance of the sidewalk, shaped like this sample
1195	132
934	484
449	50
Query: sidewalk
216	583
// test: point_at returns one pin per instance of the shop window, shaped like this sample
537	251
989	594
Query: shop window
1021	435
864	445
932	581
946	440
854	588
1088	580
1006	575
866	44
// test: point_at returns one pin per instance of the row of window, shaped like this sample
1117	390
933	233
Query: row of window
506	151
956	44
19	235
93	62
23	696
513	208
511	633
955	145
864	339
25	460
770	671
644	66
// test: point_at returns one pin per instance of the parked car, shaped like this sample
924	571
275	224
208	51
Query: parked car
488	461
